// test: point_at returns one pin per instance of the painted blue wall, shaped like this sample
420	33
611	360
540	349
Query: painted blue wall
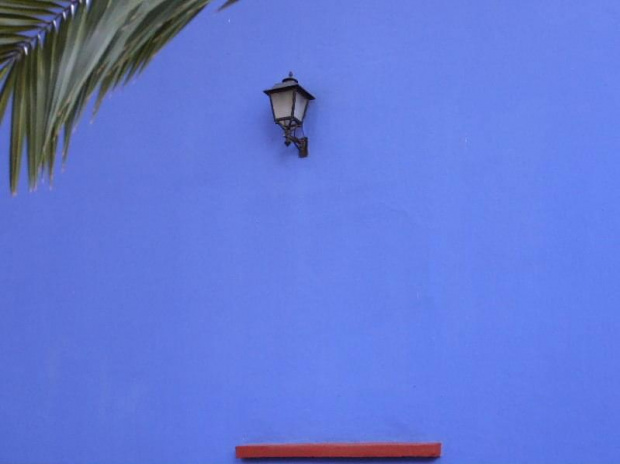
443	267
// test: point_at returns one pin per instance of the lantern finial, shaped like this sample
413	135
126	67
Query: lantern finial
290	78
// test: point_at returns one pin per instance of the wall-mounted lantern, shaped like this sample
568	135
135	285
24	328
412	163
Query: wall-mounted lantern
289	102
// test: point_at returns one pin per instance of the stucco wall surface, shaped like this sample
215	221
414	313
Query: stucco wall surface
444	266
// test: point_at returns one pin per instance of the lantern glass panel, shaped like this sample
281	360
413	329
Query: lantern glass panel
282	103
300	106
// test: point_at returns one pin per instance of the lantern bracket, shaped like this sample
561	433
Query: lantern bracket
300	142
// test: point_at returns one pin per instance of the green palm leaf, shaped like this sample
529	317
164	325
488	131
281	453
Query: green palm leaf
55	54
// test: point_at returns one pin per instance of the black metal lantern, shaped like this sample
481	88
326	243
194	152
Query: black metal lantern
289	102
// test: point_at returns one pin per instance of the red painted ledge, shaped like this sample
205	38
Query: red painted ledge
340	450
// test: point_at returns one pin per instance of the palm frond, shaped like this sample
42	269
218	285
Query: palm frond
227	4
55	54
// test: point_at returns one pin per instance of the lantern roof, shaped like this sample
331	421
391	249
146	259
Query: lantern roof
289	83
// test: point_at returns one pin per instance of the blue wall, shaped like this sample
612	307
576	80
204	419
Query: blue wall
443	267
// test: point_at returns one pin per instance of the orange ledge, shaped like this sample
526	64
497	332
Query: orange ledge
340	450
